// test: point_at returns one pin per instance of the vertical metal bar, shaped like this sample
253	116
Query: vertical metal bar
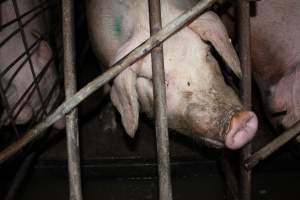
230	178
243	11
161	120
114	70
70	89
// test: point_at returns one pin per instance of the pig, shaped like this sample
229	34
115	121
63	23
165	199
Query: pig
275	52
41	55
199	102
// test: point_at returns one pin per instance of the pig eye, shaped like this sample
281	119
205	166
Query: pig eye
278	114
188	83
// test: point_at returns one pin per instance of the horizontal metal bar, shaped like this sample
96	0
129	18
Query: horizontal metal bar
97	83
273	146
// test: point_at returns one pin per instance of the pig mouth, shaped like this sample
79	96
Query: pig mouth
234	129
210	142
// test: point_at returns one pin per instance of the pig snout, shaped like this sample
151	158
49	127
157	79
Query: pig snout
232	129
241	130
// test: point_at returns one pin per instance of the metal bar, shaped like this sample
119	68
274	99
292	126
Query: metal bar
129	59
273	146
230	178
40	6
8	110
37	87
20	176
161	119
15	73
10	66
243	12
19	29
48	99
29	93
68	19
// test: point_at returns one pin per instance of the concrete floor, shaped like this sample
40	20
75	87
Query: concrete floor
207	186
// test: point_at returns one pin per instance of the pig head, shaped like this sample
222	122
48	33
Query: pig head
199	103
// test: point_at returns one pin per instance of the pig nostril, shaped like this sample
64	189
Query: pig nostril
242	130
279	114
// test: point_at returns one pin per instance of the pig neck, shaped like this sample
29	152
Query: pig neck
169	11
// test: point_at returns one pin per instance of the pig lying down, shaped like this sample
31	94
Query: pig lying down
17	81
199	103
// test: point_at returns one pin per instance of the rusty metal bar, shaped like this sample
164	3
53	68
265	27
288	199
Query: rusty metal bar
68	20
161	119
273	146
129	59
243	13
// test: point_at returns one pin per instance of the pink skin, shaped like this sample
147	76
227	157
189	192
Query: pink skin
284	103
199	102
276	55
275	52
242	129
41	55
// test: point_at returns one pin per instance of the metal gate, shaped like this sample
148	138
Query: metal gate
73	98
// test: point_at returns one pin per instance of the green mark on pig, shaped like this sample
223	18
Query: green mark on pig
118	26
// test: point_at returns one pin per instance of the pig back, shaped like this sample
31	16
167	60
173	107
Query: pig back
275	39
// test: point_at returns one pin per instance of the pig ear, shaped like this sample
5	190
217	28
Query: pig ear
124	97
211	29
